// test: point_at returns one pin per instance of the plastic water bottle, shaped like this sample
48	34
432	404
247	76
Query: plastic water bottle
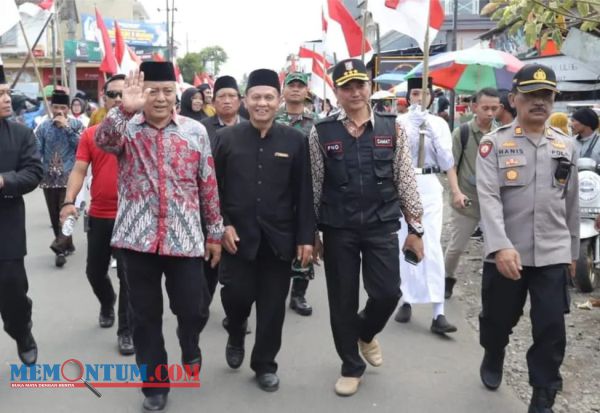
69	225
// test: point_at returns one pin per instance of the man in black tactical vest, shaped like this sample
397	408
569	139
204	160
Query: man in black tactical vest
363	181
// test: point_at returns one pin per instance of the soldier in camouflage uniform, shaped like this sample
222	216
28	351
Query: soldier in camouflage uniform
293	113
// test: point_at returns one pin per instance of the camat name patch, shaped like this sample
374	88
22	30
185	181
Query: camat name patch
383	141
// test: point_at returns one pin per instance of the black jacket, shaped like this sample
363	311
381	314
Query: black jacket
265	187
21	170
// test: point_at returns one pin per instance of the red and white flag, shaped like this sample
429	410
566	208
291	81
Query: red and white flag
408	17
321	84
9	17
343	35
126	58
109	62
309	51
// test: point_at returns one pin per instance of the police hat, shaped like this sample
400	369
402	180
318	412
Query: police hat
349	69
535	77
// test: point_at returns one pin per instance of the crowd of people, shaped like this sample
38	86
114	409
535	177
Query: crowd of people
252	192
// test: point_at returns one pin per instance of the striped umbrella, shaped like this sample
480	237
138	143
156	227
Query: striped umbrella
467	71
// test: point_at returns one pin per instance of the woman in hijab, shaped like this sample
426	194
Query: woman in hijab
192	103
207	108
78	111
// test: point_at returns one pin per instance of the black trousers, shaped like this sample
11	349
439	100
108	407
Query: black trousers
266	281
299	287
54	199
99	254
188	295
343	248
15	306
502	302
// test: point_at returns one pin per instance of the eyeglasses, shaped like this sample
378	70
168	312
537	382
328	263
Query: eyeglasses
113	94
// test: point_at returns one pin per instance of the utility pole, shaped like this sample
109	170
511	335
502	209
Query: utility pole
452	109
168	45
172	45
71	35
53	27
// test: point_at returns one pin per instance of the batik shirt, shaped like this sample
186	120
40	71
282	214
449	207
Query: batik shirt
167	184
57	148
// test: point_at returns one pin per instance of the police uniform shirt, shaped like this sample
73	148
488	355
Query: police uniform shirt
523	205
438	140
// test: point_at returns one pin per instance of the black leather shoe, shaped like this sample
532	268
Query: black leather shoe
106	319
268	381
126	347
156	403
300	306
27	349
542	400
449	287
404	313
60	260
441	326
491	369
234	350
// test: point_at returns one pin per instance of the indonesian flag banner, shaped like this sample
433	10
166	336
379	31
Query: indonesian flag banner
126	58
343	35
310	51
408	17
109	62
320	82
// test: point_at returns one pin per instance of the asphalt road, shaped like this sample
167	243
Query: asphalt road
422	373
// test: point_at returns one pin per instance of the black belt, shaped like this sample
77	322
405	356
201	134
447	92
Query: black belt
428	170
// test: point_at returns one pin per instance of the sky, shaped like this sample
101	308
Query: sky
254	33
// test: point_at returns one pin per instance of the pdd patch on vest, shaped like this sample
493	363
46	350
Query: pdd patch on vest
334	147
485	148
383	141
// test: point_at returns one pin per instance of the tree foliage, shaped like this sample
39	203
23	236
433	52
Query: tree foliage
208	59
544	19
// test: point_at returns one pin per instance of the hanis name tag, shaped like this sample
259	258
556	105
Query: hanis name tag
334	147
383	141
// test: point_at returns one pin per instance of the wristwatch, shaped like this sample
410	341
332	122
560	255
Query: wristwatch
417	229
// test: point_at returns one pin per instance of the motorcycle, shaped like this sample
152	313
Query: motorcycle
587	273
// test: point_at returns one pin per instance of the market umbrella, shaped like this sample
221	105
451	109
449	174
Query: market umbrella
469	70
390	78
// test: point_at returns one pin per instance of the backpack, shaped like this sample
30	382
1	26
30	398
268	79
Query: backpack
464	137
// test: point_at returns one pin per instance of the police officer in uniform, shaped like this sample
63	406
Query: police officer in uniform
363	181
528	191
293	113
